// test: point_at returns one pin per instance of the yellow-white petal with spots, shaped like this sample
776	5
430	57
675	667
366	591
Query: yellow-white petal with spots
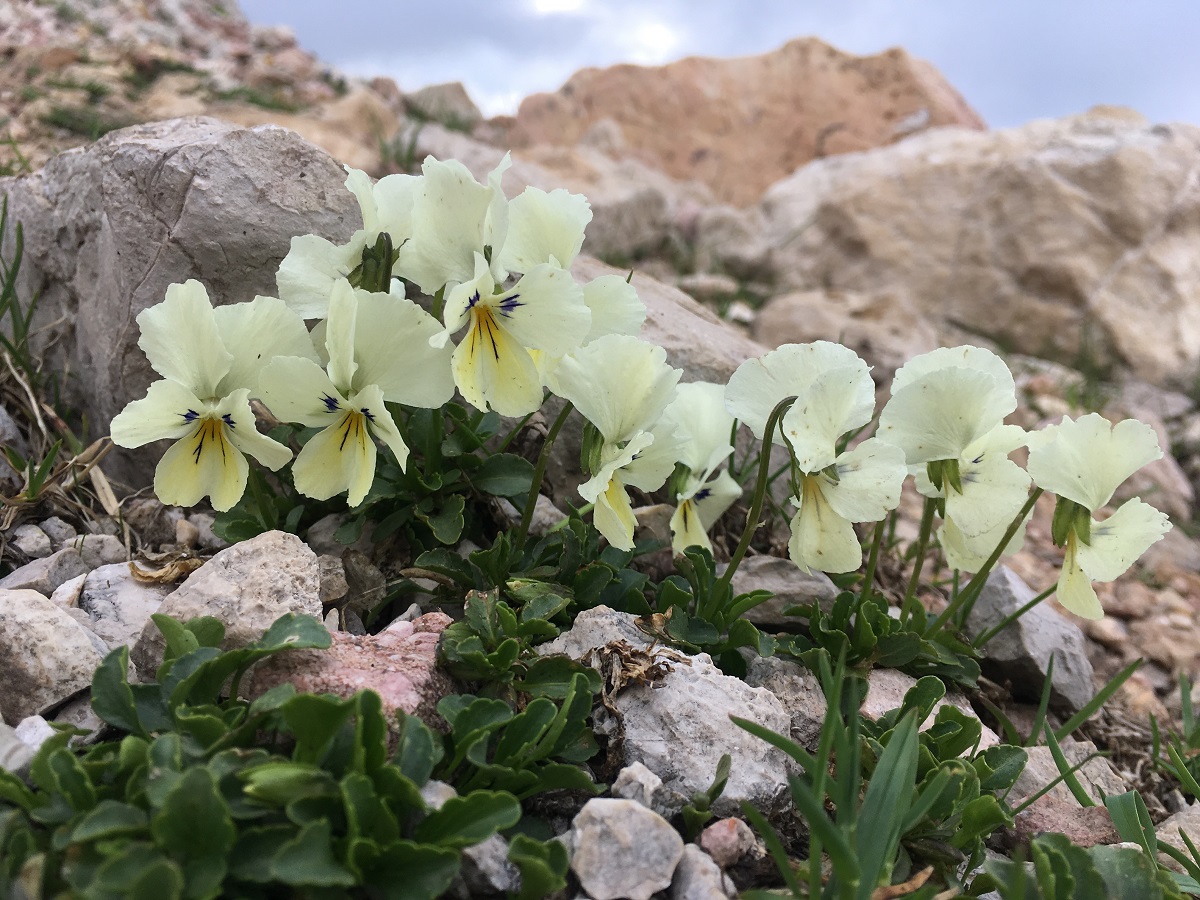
381	423
255	333
240	430
336	459
202	463
493	370
162	413
821	539
1120	539
299	390
544	310
993	492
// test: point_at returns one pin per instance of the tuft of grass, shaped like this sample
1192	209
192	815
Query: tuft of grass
83	121
255	97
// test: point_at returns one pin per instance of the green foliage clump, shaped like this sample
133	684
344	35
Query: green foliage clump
208	797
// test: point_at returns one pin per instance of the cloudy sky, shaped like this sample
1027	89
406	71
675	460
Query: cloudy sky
1013	61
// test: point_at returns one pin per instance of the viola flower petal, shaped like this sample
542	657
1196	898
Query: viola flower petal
758	385
1120	539
162	413
619	383
299	390
307	274
1075	591
703	426
613	516
391	345
993	492
180	339
382	425
234	410
202	463
869	480
615	305
339	335
836	401
492	370
821	539
339	458
969	554
1086	459
940	415
449	213
544	310
255	333
544	226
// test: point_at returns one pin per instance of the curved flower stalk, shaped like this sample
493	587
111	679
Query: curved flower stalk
210	360
947	414
313	264
834	396
702	425
1084	461
378	350
621	385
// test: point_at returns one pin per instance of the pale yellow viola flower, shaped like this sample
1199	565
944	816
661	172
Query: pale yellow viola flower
378	349
455	218
703	427
834	397
621	385
313	264
1084	461
493	364
210	360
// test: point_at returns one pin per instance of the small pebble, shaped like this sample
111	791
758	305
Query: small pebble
31	541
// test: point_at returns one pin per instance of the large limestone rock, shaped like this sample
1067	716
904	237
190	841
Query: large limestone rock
740	124
46	656
247	587
1071	239
109	226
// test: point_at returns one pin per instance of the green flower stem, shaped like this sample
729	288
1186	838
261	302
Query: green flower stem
960	607
981	641
539	473
760	491
910	595
872	562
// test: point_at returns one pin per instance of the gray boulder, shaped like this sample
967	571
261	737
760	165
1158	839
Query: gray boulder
109	226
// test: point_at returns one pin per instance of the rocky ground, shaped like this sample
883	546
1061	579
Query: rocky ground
890	219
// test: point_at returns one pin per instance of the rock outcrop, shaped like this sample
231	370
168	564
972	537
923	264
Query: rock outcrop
738	125
1069	239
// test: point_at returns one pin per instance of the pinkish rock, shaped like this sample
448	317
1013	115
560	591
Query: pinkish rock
1085	826
399	664
727	841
